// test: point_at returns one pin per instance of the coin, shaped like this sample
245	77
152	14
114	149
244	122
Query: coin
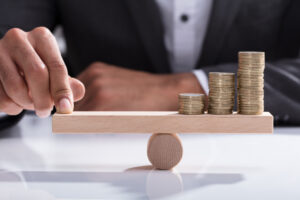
250	82
191	103
221	93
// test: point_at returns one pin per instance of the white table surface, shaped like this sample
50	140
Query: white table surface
35	164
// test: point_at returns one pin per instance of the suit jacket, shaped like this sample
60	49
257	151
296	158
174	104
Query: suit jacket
129	33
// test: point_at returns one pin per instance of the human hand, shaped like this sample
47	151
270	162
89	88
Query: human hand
113	88
33	74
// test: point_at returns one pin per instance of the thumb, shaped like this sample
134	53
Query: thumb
78	88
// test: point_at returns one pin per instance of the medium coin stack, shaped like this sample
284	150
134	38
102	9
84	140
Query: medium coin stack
251	83
221	93
191	103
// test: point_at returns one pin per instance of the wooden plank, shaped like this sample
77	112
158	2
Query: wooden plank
160	122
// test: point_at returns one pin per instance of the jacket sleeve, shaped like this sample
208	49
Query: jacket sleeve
27	14
282	88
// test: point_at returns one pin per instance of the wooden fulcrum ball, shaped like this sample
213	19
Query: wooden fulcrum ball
164	150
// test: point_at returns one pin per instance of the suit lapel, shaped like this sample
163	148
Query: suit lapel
222	16
146	17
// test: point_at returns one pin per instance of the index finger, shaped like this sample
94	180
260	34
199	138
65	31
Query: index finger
46	46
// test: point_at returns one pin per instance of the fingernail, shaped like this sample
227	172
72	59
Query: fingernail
43	114
64	106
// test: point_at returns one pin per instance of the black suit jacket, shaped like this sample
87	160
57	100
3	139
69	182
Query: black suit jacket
129	33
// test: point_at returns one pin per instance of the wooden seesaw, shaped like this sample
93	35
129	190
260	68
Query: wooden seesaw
164	146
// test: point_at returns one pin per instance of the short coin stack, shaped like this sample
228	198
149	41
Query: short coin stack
191	103
221	93
251	83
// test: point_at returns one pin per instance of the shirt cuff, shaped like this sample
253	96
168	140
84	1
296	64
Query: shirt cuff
202	78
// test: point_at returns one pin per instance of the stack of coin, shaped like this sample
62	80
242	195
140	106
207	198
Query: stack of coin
221	93
251	83
191	103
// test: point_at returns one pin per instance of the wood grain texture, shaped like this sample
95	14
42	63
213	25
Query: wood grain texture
164	150
160	122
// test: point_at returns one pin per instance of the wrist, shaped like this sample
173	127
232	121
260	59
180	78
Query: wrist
187	83
173	84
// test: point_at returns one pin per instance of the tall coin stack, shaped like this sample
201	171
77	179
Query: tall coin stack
221	93
251	83
191	103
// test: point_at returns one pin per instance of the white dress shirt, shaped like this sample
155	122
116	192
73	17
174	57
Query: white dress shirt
185	24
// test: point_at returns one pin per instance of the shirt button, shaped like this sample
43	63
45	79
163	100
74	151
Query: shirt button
184	18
